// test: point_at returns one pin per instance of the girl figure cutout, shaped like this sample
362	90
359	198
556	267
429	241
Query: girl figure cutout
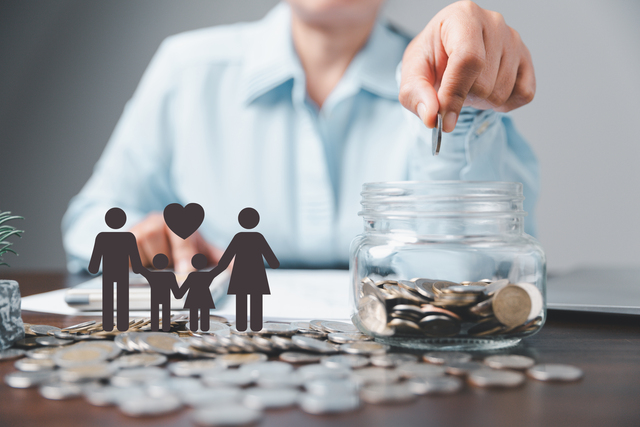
248	276
199	298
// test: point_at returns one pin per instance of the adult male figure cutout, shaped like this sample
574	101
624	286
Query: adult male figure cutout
115	249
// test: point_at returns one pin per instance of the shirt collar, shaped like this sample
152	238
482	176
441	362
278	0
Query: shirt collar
272	60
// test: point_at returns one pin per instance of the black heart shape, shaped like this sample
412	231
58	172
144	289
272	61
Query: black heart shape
184	221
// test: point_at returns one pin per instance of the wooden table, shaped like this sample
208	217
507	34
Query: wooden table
606	347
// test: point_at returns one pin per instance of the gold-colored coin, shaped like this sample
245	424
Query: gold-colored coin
511	305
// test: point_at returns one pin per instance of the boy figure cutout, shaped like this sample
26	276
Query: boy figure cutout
162	284
199	298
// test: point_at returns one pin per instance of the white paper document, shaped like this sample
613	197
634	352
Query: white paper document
295	295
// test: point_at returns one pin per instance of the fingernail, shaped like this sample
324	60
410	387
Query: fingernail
449	122
182	266
422	111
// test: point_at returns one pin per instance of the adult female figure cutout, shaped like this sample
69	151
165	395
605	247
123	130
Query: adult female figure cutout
249	276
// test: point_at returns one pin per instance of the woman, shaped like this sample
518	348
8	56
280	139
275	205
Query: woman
248	276
292	114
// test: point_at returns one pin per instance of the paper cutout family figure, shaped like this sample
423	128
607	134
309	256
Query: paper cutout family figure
116	249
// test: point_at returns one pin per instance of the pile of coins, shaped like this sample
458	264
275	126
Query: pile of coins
440	309
229	377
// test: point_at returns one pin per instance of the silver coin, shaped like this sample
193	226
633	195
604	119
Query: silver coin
391	360
227	415
138	376
256	370
230	377
313	344
463	368
42	352
342	327
298	357
26	343
330	404
140	360
43	330
509	361
283	329
317	325
173	385
29	379
79	354
34	365
60	391
495	378
446	357
110	347
352	361
555	372
150	406
263	344
347	337
215	328
312	333
230	360
302	325
83	373
271	398
387	393
435	385
123	341
364	348
420	370
333	386
436	136
193	368
110	395
82	325
204	397
312	372
159	342
50	341
375	375
291	380
63	335
12	353
281	343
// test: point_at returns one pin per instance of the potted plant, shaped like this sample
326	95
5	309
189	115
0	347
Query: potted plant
11	326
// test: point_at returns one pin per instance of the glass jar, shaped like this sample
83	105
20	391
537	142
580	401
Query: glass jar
446	265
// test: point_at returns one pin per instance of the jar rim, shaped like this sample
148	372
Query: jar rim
442	198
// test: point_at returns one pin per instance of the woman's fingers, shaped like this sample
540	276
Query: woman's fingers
151	238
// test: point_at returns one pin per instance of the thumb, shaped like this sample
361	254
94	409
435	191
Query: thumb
417	92
182	251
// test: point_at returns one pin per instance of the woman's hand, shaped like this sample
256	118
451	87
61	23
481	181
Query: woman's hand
465	56
154	237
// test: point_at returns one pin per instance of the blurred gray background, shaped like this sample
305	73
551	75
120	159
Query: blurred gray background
67	67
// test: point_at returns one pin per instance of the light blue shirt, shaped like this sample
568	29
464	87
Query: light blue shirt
221	118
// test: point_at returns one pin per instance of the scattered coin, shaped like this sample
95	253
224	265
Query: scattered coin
240	359
313	344
312	372
387	393
446	357
50	341
347	337
435	385
227	415
509	361
392	359
83	373
271	398
329	404
376	375
462	369
298	357
495	378
555	372
29	379
194	368
60	391
138	376
341	327
159	342
150	406
79	355
365	348
204	397
352	361
26	343
43	330
42	352
139	360
12	353
420	370
256	370
34	365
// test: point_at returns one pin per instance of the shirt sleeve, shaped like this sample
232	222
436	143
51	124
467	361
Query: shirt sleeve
134	169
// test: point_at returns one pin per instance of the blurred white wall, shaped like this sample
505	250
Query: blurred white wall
67	67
